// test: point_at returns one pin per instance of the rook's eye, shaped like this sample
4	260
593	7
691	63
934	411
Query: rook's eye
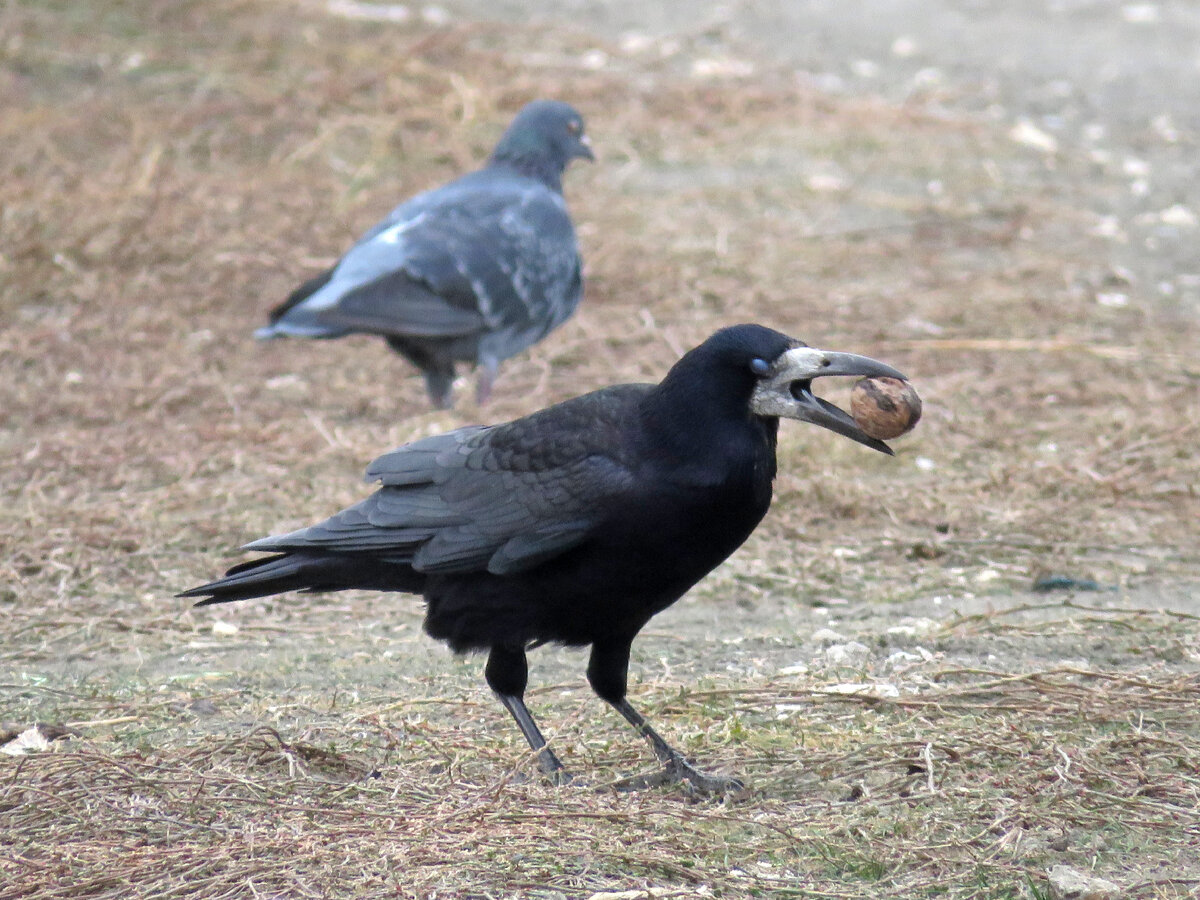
574	128
759	366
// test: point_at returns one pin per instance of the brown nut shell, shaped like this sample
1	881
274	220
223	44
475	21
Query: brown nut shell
884	408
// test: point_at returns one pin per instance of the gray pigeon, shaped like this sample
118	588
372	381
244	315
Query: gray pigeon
474	271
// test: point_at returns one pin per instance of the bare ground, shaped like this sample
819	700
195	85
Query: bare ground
170	170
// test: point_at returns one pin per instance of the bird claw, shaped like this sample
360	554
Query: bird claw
699	784
560	778
678	771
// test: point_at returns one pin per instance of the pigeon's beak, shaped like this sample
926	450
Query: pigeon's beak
786	390
583	148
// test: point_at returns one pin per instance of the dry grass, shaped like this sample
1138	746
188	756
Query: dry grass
169	170
963	789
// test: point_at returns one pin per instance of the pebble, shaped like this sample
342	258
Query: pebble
1178	215
1029	135
369	12
852	653
794	669
1141	13
31	740
827	636
1067	883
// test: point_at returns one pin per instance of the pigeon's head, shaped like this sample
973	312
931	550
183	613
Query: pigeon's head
774	373
544	137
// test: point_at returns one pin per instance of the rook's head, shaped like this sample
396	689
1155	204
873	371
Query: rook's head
774	373
784	388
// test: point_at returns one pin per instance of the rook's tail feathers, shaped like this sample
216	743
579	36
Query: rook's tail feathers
308	572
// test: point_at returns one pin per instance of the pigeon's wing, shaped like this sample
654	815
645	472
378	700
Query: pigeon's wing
492	251
499	499
398	303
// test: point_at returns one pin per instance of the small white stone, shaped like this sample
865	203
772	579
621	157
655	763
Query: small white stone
369	12
904	47
1164	126
1029	135
1067	883
900	659
1141	13
635	42
851	653
826	183
594	60
865	68
438	16
924	463
927	78
1112	299
1134	167
827	636
923	326
1178	215
794	669
284	382
1108	227
224	629
668	47
722	67
910	627
31	740
203	336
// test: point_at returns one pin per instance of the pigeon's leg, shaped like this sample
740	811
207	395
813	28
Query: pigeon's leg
608	672
507	673
428	355
488	368
440	387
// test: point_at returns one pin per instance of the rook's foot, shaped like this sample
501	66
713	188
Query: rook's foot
560	777
679	771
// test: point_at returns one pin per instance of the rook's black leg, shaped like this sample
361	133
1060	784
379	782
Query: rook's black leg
608	672
506	674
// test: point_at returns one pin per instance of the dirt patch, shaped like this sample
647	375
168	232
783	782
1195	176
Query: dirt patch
168	175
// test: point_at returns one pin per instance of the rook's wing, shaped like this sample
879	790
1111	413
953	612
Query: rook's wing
499	499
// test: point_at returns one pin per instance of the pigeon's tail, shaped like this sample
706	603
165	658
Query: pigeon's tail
295	329
308	572
294	318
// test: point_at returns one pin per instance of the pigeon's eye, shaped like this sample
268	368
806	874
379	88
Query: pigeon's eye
574	128
759	366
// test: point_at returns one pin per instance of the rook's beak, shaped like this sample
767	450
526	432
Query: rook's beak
786	390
